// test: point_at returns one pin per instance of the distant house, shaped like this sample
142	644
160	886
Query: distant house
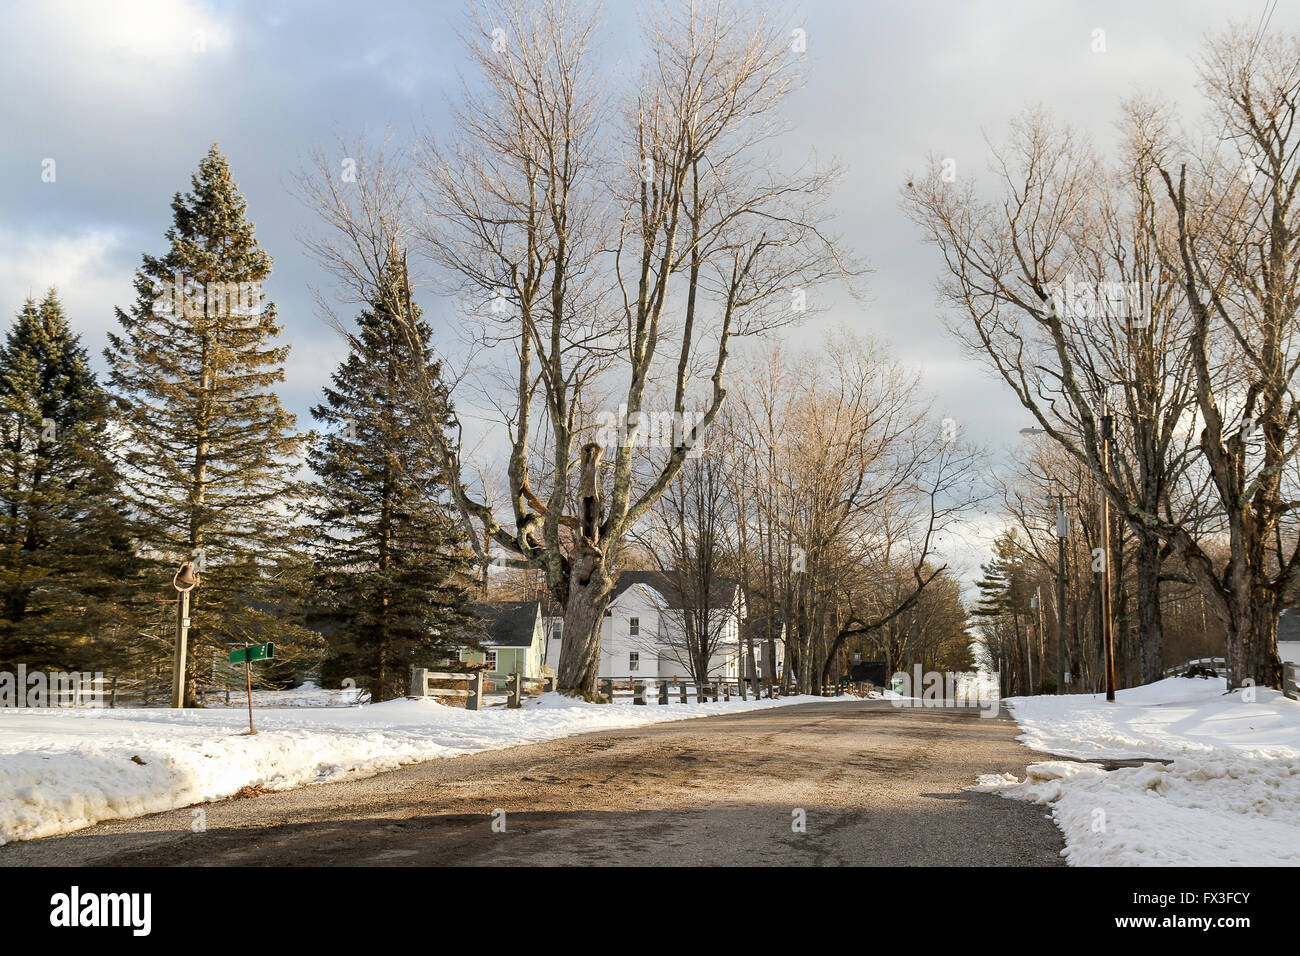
1288	635
514	643
644	630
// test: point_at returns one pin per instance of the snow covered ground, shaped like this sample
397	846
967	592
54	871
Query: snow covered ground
61	770
1230	796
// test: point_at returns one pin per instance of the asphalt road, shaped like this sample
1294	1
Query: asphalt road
876	785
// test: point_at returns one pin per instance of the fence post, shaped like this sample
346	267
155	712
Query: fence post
112	697
638	692
514	690
419	684
663	691
607	688
681	684
475	699
548	684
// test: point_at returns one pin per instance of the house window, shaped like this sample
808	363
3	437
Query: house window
634	660
490	657
634	626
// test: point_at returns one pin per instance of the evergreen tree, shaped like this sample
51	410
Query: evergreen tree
211	451
64	555
1002	612
392	567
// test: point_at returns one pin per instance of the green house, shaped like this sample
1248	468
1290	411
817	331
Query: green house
514	641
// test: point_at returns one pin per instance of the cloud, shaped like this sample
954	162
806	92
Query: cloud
84	266
122	41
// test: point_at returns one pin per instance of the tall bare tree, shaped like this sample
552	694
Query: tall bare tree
625	272
1208	342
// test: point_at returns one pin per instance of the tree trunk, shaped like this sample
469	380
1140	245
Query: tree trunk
1151	634
584	612
1251	650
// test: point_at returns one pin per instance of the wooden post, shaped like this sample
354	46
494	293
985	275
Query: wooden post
514	690
638	692
475	699
607	688
179	651
112	697
248	687
682	686
1107	624
726	691
548	684
663	691
419	682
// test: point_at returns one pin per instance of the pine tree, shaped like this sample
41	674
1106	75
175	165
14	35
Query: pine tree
392	567
212	452
1003	610
65	558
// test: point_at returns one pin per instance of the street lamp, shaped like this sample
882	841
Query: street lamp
185	580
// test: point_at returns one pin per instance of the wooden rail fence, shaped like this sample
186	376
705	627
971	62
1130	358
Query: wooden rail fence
666	688
421	677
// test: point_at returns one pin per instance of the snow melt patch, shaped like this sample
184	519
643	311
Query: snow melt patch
1230	796
61	770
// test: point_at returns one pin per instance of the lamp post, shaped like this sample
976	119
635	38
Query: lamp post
185	580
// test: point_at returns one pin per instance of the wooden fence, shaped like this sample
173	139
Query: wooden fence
1218	664
672	688
1291	680
472	692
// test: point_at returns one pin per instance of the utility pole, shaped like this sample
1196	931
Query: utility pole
1107	625
1062	532
1036	602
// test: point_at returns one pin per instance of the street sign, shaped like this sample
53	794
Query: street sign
255	652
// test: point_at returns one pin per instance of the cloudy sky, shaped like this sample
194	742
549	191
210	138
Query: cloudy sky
126	96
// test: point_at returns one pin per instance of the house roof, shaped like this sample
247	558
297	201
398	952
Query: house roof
1288	625
508	623
667	586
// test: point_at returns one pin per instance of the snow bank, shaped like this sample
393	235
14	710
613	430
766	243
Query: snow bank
61	770
1231	795
1175	717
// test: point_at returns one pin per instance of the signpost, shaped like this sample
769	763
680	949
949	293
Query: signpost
246	655
185	580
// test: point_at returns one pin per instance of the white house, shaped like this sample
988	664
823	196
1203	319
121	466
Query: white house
644	631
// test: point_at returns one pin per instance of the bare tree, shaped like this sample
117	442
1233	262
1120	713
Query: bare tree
1200	323
626	274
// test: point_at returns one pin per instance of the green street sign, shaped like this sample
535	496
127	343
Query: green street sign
255	652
